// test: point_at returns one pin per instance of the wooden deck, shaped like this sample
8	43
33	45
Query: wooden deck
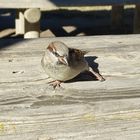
28	17
110	110
56	3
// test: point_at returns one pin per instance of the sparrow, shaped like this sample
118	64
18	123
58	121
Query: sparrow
62	63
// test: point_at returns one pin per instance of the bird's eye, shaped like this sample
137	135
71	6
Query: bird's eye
56	54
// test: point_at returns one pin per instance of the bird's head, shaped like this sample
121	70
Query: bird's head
59	52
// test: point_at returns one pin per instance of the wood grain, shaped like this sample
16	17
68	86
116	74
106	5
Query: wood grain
32	110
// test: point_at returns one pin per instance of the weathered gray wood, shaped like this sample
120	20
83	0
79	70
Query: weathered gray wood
32	23
53	4
20	22
32	15
31	110
6	32
28	22
56	3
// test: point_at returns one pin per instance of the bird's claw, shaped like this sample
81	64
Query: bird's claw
97	75
100	78
55	84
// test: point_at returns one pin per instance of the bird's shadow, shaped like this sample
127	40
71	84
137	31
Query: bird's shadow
87	75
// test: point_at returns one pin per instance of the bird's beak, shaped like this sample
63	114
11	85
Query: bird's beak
63	60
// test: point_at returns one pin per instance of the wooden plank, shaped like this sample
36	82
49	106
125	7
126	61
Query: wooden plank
28	22
117	13
20	22
6	32
137	20
32	23
30	109
56	3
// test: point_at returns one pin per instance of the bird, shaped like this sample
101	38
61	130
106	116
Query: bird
62	63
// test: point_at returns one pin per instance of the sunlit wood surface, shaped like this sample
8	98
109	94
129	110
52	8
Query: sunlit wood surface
82	109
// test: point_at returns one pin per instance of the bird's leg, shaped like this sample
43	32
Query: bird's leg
55	83
98	76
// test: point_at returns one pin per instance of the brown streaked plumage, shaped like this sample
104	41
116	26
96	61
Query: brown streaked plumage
62	63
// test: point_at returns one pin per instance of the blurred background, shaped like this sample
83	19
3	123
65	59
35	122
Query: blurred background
71	21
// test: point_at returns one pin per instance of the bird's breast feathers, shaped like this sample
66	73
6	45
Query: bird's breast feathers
63	72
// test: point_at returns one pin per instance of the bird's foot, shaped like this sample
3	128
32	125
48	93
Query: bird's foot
55	83
97	75
100	78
